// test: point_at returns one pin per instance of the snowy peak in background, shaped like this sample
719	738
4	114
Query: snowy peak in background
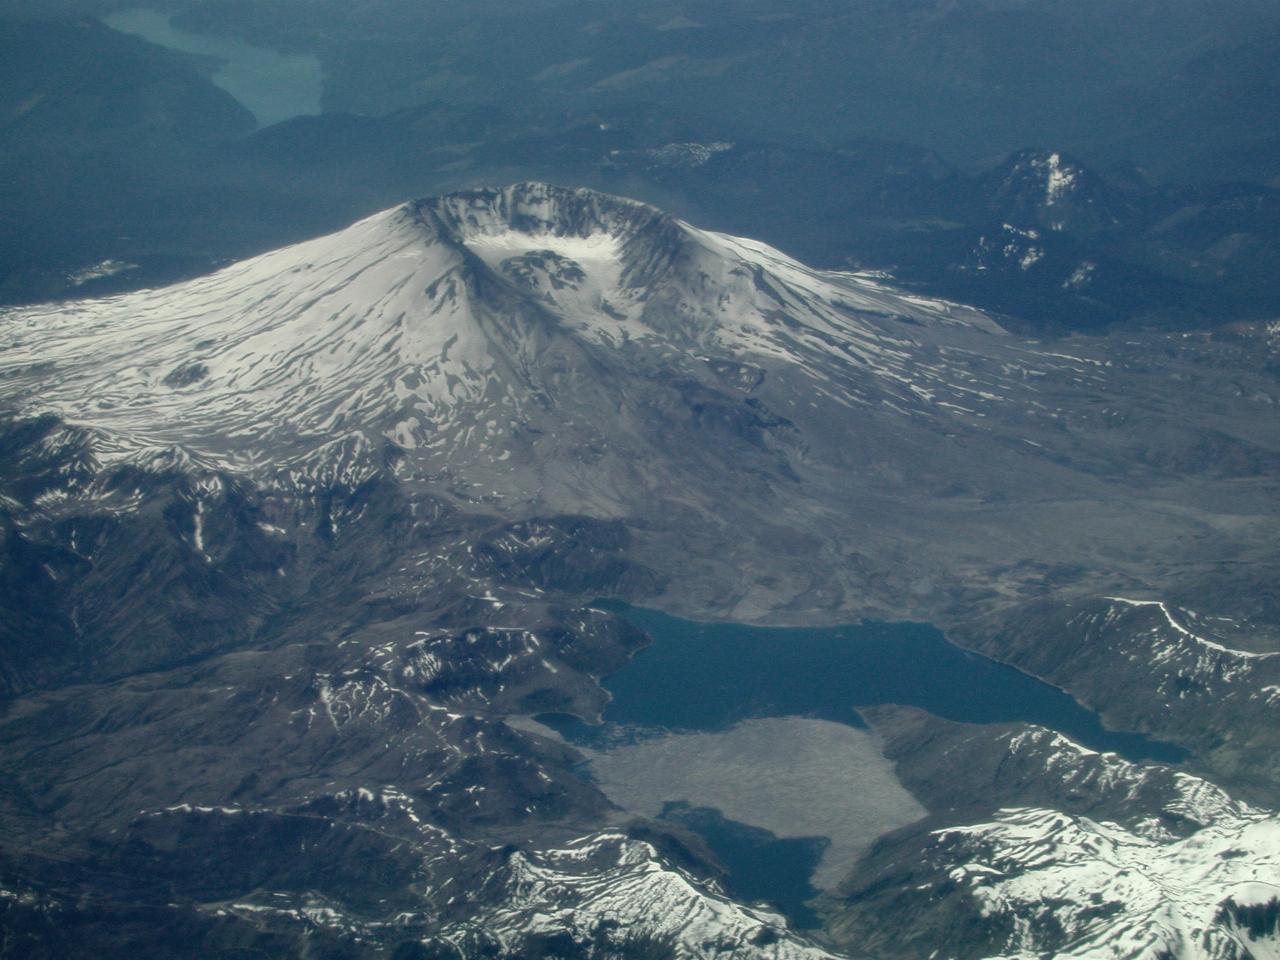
1049	190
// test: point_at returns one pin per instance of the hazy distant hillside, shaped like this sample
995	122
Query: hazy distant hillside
975	80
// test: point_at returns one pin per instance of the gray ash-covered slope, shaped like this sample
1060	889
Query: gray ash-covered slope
539	351
286	546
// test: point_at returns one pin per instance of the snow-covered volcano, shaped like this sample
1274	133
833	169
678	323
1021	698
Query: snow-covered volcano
445	325
542	350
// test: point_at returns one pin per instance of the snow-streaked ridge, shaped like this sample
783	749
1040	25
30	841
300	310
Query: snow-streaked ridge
609	877
1177	627
1158	884
1111	891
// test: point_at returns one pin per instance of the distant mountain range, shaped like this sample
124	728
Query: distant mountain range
115	182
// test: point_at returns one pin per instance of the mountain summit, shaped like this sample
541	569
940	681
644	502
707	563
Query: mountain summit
424	323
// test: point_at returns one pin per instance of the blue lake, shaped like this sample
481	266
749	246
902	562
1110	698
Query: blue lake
272	85
708	676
